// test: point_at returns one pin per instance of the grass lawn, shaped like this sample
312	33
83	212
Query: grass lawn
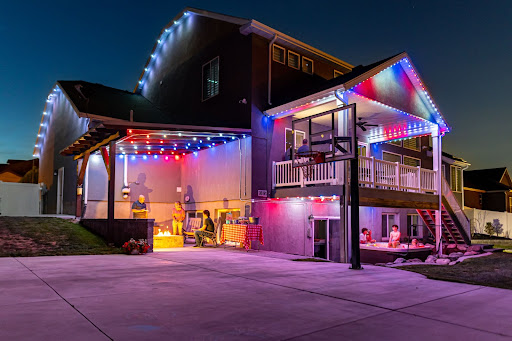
497	243
25	236
492	271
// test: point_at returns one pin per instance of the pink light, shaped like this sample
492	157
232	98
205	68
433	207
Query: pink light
167	158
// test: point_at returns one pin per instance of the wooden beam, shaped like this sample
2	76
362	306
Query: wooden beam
98	145
81	174
104	154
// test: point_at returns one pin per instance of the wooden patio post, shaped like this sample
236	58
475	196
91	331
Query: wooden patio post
111	184
80	181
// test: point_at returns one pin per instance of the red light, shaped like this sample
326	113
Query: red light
136	152
176	157
130	131
149	153
161	152
183	153
147	142
161	141
172	153
131	142
147	136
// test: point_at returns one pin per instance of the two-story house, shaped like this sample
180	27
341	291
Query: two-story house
209	122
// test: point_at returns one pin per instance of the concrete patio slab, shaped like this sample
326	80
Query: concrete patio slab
226	294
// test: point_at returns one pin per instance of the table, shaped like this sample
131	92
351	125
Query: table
242	233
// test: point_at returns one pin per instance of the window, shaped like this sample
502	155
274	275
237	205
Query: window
510	204
337	73
227	214
362	149
278	54
307	65
413	143
194	214
456	178
414	225
391	157
293	60
396	143
411	161
388	220
211	79
299	136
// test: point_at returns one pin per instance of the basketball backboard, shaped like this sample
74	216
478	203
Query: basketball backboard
330	135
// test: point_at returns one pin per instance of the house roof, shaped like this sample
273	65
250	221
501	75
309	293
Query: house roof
18	167
98	101
486	179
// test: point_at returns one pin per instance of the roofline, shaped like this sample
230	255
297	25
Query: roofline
254	26
474	189
175	21
142	125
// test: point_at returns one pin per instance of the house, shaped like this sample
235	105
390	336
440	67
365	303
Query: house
210	119
488	197
14	170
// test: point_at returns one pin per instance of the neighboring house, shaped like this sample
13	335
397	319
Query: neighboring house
14	170
488	189
209	123
488	199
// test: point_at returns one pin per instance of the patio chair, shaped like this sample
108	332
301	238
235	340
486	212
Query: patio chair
192	225
212	237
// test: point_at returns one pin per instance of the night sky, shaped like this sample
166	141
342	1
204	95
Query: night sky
462	49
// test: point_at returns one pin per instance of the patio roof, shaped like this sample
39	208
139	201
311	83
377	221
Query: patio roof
388	93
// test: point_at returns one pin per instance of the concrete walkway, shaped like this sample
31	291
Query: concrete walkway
217	294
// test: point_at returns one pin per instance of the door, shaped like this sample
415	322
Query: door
326	241
60	190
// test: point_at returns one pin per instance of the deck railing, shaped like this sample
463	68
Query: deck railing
372	173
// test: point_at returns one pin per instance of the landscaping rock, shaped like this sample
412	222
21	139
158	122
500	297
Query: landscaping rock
455	255
476	248
390	263
471	253
414	260
462	247
453	263
443	256
399	260
443	261
431	259
451	246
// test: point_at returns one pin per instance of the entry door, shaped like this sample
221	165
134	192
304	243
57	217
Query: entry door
326	241
60	190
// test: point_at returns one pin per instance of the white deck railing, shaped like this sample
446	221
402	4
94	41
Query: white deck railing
372	173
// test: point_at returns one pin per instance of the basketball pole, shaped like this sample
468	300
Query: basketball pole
355	258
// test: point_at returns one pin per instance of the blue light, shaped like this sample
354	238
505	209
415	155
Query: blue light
144	157
188	144
155	156
208	138
232	137
224	142
133	157
220	134
186	147
200	141
195	153
243	136
152	56
174	148
121	156
198	147
195	138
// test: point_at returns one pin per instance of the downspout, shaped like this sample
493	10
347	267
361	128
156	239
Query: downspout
270	68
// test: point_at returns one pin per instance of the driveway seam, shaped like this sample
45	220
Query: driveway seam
71	305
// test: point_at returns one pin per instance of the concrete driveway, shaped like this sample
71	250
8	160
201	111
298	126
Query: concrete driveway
217	294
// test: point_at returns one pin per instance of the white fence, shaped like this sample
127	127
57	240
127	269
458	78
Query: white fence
479	218
19	199
372	173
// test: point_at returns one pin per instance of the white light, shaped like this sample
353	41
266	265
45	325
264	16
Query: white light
195	139
120	148
133	157
220	134
152	56
159	41
121	156
140	82
146	69
175	22
135	147
45	113
179	134
200	141
144	157
208	138
232	137
149	147
161	149
155	156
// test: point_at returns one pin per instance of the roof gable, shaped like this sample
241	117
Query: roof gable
505	179
488	179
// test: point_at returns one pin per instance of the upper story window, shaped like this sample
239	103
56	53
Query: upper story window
279	54
411	161
397	143
413	143
391	157
211	78
307	65
293	60
337	73
290	135
456	178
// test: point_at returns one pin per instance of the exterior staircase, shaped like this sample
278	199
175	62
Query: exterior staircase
455	224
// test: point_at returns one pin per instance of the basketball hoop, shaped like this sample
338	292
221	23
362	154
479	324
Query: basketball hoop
306	161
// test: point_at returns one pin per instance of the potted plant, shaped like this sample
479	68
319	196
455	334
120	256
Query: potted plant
136	247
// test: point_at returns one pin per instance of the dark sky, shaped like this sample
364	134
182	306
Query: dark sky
463	50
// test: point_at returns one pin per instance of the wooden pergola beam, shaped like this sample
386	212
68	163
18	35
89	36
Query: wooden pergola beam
98	145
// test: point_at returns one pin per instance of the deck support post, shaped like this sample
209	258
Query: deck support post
437	156
111	184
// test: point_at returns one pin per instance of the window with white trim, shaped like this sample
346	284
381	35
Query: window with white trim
279	54
293	60
456	178
412	161
211	79
289	135
397	143
413	143
414	225
307	65
391	157
388	220
337	73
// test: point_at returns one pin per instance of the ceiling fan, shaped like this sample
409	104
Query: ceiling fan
363	124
